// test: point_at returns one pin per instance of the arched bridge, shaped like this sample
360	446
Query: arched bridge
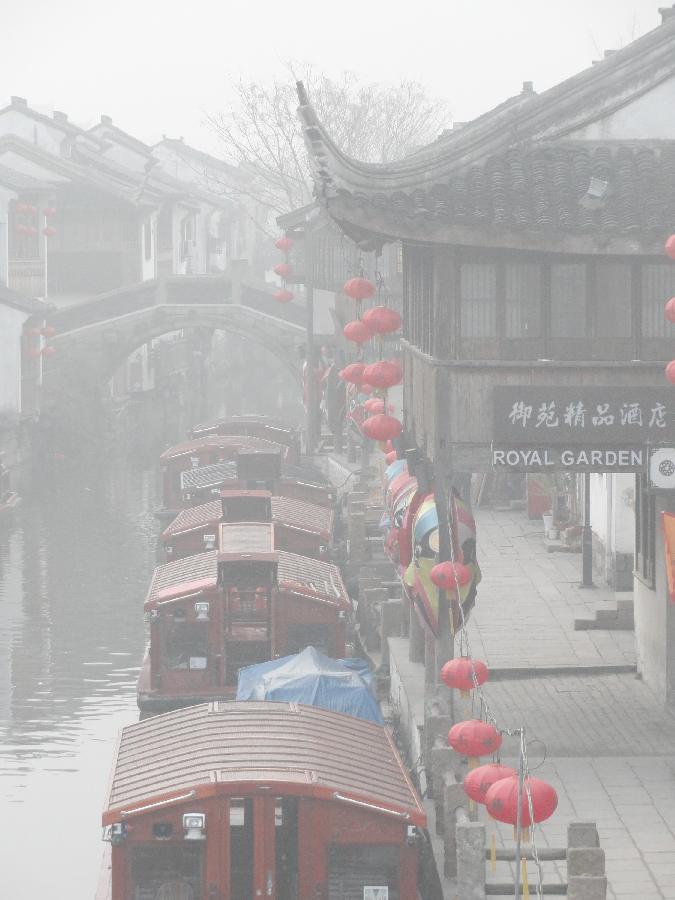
94	337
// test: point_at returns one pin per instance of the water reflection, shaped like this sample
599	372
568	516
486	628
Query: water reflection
74	568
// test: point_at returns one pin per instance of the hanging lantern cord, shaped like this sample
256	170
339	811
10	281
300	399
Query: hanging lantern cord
533	824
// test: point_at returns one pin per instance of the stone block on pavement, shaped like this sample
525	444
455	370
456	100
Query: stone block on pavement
585	861
582	834
587	887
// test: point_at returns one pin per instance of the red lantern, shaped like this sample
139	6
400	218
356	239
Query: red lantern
382	320
22	208
365	388
449	575
49	211
381	427
31	230
383	374
670	246
283	269
474	738
388	447
48	331
30	209
283	296
670	310
353	373
49	231
49	351
670	371
376	405
359	289
357	332
22	229
478	781
501	801
283	243
391	457
459	673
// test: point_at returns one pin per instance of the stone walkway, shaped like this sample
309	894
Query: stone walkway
528	600
606	743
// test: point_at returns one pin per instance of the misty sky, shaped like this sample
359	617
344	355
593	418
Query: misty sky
158	66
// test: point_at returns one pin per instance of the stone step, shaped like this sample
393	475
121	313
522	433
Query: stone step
616	616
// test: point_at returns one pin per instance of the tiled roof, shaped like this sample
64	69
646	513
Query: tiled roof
181	575
211	748
302	574
515	167
542	186
21	182
303	516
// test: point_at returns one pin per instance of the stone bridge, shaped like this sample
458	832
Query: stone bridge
92	339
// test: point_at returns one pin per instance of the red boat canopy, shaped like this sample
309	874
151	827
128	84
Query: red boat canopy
286	511
183	576
222	748
233	443
312	578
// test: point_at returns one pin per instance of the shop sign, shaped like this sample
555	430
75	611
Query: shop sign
583	416
572	459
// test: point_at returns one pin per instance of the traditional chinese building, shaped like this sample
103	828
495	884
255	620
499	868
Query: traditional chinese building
534	281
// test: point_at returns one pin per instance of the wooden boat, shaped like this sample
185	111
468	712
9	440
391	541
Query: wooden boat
255	470
256	426
299	527
242	800
247	602
205	451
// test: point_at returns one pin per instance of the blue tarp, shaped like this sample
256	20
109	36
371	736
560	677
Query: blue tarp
341	685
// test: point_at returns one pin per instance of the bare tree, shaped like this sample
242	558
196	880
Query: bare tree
261	131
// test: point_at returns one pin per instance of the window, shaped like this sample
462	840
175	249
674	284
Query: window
186	645
613	300
147	238
658	286
478	291
524	300
568	300
645	531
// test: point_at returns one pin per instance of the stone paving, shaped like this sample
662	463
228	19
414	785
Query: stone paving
609	743
528	600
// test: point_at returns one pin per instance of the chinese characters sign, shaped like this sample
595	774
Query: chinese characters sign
584	416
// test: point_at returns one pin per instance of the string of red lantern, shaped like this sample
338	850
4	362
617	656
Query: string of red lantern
474	738
464	673
478	781
357	332
501	800
670	307
283	269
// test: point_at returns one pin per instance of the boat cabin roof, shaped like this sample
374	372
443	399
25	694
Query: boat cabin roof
233	442
183	577
297	575
225	748
286	511
275	427
208	476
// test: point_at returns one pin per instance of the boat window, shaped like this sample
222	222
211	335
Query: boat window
354	867
167	872
186	645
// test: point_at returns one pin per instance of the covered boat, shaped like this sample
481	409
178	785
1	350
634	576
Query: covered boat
299	526
242	800
267	427
341	685
214	612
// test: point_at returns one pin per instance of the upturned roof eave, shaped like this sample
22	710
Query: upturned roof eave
578	100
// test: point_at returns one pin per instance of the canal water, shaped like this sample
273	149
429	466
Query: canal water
74	567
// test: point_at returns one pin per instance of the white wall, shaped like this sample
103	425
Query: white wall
612	511
11	324
5	197
650	116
